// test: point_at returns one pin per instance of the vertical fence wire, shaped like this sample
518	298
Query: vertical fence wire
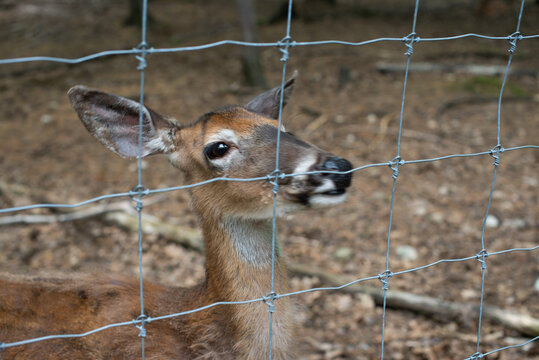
483	254
143	46
139	191
396	162
272	296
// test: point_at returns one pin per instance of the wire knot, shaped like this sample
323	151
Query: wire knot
475	356
394	165
269	300
273	179
409	41
513	39
142	62
143	48
143	319
384	278
283	45
136	195
495	153
481	256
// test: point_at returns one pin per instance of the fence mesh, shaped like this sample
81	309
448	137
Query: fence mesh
284	45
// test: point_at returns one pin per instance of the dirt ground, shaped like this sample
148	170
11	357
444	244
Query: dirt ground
341	103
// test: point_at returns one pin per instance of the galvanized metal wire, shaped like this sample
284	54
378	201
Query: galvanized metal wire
284	45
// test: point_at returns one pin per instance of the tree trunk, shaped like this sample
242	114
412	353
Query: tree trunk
252	68
134	17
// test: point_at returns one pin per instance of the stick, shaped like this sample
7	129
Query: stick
93	211
183	235
428	306
525	324
488	70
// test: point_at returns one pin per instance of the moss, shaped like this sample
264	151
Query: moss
489	85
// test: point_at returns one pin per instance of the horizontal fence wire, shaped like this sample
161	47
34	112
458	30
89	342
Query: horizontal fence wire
151	51
277	296
139	192
147	192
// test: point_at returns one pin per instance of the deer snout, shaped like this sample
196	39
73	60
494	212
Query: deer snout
335	163
327	187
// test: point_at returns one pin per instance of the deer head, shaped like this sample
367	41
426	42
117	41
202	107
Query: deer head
233	142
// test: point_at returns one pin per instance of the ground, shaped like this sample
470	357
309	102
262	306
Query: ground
341	103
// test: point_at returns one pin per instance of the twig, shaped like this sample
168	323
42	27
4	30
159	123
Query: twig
428	306
90	212
474	69
525	324
183	235
478	99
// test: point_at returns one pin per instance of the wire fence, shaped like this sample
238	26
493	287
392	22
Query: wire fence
284	45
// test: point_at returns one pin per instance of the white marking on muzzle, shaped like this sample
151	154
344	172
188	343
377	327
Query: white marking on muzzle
321	200
327	185
305	166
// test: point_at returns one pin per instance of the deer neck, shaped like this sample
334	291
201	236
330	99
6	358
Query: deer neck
239	257
238	264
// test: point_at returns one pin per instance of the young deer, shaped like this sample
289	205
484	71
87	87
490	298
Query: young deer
235	142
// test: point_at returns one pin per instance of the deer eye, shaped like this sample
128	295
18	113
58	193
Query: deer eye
216	150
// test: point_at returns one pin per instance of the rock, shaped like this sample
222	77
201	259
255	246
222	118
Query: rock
372	118
515	223
420	210
437	217
419	207
343	253
45	119
343	302
405	252
379	195
365	301
492	221
364	346
340	119
443	190
528	180
469	294
173	251
536	285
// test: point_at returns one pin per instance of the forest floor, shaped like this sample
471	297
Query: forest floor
341	103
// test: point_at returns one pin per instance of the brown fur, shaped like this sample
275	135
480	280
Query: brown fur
236	223
34	307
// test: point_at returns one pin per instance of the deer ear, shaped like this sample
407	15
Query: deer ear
268	103
114	121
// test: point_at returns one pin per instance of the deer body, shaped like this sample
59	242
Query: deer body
236	142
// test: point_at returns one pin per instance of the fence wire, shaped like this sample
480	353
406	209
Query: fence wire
284	45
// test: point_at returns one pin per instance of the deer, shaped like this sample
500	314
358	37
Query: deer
236	222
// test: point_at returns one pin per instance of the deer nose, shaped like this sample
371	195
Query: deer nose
336	163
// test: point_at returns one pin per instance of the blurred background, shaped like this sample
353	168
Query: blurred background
346	100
